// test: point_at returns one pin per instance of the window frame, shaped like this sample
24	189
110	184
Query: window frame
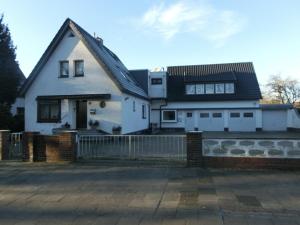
154	81
61	62
234	115
144	116
75	71
212	85
214	115
169	121
201	115
225	89
48	120
197	88
133	106
223	85
190	85
189	115
247	114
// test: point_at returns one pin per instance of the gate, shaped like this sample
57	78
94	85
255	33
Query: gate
166	147
15	147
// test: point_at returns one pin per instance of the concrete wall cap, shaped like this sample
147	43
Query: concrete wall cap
194	131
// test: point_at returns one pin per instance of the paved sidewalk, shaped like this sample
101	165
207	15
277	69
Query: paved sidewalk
113	194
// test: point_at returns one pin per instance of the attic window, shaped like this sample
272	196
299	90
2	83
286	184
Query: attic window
71	34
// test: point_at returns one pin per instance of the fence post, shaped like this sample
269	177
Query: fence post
27	144
4	144
194	148
129	147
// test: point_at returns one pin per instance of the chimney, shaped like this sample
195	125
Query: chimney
99	41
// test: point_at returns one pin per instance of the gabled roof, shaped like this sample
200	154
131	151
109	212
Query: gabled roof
242	74
105	57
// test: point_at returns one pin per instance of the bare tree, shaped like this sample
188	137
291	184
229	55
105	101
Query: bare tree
284	90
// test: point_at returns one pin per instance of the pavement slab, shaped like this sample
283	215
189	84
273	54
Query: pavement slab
111	193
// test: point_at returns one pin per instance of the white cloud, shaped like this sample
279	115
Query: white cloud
194	16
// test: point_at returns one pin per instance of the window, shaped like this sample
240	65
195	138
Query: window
49	111
133	106
156	81
64	69
229	88
217	115
234	115
219	88
199	89
209	88
189	114
190	89
248	114
169	116
79	68
144	111
204	115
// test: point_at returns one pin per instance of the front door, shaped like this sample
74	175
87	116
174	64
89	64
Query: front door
81	114
189	121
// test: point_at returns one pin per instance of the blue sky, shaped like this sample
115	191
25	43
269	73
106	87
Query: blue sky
157	33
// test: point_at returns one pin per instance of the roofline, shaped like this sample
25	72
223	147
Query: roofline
212	64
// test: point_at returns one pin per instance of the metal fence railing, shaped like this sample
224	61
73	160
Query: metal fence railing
170	147
15	148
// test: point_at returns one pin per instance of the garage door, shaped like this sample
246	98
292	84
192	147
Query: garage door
211	121
274	120
241	121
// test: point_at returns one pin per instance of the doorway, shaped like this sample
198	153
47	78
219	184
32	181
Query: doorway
81	114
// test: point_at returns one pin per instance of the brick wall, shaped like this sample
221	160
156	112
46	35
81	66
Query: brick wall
49	148
4	144
27	142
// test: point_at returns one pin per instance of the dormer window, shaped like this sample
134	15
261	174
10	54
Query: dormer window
64	68
229	88
219	88
209	88
79	68
190	89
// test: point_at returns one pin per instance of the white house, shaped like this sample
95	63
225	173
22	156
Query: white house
80	84
79	81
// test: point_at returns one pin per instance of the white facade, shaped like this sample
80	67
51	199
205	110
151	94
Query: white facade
157	90
94	81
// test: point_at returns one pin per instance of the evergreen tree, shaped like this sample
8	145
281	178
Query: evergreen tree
10	80
9	69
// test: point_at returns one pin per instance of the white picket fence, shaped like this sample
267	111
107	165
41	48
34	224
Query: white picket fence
167	147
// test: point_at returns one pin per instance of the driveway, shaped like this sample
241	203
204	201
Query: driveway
122	193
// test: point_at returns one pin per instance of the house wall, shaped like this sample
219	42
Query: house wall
95	81
210	123
157	90
133	121
108	117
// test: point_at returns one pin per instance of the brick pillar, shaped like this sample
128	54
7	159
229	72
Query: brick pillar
27	142
194	148
68	145
4	144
